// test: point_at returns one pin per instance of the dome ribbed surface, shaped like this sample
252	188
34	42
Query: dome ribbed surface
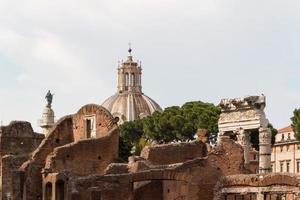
130	106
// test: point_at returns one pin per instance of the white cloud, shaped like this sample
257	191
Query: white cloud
23	77
197	49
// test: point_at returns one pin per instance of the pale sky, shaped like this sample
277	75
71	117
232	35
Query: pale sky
191	50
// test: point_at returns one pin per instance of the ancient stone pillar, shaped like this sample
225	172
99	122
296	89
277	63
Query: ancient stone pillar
264	150
260	196
244	140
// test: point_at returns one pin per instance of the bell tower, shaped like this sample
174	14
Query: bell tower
129	76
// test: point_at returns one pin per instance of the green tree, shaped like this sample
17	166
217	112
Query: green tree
181	123
296	123
173	124
202	115
124	150
130	135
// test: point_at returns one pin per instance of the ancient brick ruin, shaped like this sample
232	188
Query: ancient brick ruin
78	160
17	141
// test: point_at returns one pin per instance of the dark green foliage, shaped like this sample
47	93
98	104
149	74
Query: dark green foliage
173	124
131	132
124	150
296	123
274	133
181	123
130	135
202	115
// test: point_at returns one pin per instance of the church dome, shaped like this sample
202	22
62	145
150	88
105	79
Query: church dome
130	106
130	103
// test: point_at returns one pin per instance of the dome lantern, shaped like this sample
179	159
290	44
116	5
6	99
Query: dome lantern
130	103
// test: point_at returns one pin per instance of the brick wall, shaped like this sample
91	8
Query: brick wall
104	121
85	157
174	153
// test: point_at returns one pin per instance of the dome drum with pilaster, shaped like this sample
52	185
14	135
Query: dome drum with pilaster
129	103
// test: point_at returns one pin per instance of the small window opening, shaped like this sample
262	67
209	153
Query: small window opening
133	79
126	81
88	128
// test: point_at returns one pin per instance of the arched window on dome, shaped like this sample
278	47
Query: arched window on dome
132	79
126	81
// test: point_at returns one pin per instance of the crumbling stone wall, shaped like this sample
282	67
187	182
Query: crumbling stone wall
149	191
17	140
225	159
174	190
59	135
66	140
174	153
192	179
100	187
271	183
198	178
104	121
170	171
10	163
200	174
85	157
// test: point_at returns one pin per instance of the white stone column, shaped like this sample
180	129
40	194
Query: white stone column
244	140
260	196
265	150
47	119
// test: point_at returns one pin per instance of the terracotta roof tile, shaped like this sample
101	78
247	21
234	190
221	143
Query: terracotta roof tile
286	129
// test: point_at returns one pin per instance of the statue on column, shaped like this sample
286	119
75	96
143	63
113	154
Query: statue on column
49	98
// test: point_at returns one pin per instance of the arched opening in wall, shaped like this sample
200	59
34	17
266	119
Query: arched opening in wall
126	81
48	191
133	79
60	190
